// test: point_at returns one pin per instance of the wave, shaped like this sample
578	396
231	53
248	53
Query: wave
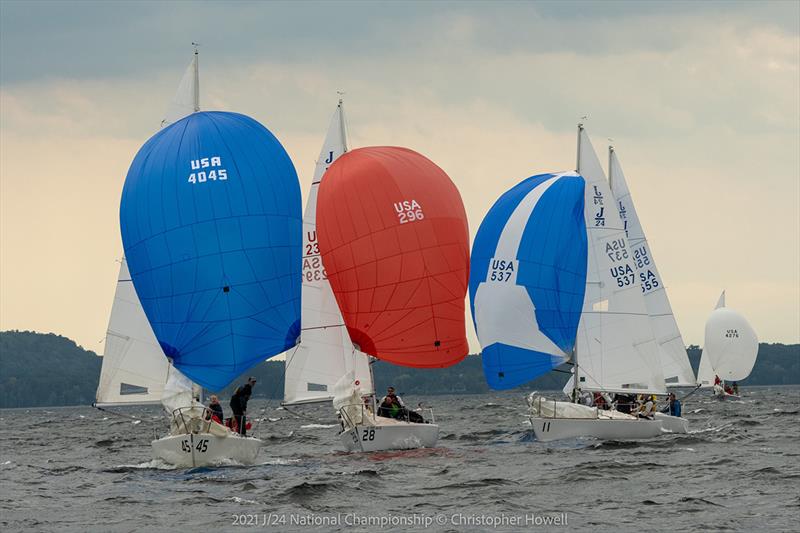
319	426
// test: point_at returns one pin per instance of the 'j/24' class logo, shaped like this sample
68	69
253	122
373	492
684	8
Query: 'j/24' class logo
408	211
207	169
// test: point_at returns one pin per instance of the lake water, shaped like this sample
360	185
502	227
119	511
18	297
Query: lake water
80	469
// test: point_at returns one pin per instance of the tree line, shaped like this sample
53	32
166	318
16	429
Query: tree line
44	369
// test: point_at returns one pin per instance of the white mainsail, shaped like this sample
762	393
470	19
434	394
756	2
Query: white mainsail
675	364
616	350
731	346
135	369
325	352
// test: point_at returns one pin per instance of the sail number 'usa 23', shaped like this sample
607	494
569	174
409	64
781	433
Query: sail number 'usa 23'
207	169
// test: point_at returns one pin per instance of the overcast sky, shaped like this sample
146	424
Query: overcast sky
701	100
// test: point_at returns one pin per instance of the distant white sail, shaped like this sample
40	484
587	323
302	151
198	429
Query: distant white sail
187	98
325	352
675	364
731	345
705	374
616	347
134	368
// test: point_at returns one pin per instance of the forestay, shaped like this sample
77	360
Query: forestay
528	277
212	231
325	352
675	364
616	348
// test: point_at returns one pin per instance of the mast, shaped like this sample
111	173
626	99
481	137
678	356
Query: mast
341	123
610	168
575	378
196	86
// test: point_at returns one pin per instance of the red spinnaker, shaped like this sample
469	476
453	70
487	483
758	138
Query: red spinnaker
395	245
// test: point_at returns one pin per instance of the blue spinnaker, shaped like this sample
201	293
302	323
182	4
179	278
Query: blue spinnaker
212	230
528	278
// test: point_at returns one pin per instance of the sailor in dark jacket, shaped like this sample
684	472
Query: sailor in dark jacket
239	404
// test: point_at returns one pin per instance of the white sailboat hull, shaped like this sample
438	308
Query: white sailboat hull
205	449
397	436
674	424
550	429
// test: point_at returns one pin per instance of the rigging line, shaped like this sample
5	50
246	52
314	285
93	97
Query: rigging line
322	327
298	415
121	415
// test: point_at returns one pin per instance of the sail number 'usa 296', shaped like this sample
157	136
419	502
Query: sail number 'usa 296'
408	211
207	169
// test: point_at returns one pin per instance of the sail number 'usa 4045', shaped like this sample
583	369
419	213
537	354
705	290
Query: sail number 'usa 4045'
215	173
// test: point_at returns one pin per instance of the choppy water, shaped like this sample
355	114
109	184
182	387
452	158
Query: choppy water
79	469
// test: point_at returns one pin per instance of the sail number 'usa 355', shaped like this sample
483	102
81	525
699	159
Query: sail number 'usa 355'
199	173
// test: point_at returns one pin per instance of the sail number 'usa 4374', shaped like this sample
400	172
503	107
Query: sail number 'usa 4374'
202	176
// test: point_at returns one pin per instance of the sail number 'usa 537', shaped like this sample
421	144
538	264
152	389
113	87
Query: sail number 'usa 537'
215	173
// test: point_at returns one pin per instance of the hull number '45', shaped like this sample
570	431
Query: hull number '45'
201	446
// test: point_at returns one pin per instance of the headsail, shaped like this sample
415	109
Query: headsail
394	241
672	352
731	345
134	367
212	231
616	348
187	98
325	352
528	277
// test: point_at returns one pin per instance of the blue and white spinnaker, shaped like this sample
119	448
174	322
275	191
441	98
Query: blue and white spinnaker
528	278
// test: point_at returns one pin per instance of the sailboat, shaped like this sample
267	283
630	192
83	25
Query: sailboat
675	365
394	241
211	229
325	352
730	350
553	281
